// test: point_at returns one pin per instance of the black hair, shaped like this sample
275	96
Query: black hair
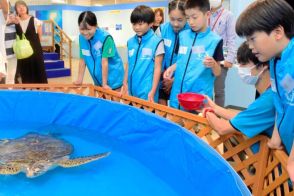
245	55
202	5
142	13
21	3
177	5
87	17
265	16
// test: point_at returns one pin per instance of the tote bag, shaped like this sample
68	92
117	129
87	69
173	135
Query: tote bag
22	47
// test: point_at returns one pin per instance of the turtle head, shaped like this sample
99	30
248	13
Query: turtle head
37	169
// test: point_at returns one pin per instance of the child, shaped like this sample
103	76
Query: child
145	54
170	33
99	53
199	55
222	22
269	28
261	113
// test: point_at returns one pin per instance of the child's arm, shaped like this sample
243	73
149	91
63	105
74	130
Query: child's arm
168	73
125	88
221	126
108	52
105	73
290	165
214	65
275	142
220	111
82	68
156	76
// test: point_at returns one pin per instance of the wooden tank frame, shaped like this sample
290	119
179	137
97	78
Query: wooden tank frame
264	173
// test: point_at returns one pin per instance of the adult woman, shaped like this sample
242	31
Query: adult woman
31	69
159	18
99	53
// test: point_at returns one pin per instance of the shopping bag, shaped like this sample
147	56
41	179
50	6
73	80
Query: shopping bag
22	48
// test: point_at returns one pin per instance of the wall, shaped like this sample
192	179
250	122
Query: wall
237	93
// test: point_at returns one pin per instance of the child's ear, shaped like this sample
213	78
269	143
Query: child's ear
279	32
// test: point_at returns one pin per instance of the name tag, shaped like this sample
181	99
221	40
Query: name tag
86	52
167	42
97	45
273	85
183	50
146	52
198	49
131	52
288	83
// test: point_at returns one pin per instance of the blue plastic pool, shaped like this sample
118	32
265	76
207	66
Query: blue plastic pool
149	155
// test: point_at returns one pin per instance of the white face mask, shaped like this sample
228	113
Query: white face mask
247	77
215	3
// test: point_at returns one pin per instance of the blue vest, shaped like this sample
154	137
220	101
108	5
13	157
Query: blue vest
92	54
282	82
170	37
141	56
191	75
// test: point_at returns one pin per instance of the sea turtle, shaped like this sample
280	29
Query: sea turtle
34	154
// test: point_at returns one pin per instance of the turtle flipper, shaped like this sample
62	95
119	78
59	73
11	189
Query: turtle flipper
9	169
81	160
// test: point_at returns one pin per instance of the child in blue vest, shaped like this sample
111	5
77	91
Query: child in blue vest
199	56
169	32
99	53
260	114
145	54
269	29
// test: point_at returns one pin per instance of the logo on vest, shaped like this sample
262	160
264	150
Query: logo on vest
183	50
288	85
131	52
146	53
167	42
86	52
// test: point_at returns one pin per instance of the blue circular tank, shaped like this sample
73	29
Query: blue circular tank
149	154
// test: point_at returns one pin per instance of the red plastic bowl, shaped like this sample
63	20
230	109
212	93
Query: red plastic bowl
191	101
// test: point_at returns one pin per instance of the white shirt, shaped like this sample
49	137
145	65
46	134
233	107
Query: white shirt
24	24
3	59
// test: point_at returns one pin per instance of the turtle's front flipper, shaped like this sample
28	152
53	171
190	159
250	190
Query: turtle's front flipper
9	169
81	160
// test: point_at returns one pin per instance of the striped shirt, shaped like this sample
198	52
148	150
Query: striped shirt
10	35
222	22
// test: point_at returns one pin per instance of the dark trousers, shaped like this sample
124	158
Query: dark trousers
219	87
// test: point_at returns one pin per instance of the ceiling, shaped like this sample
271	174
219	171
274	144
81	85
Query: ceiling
82	2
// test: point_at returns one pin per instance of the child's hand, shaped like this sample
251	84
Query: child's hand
151	96
125	89
209	103
290	169
77	82
168	73
273	144
228	64
106	87
167	84
210	62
